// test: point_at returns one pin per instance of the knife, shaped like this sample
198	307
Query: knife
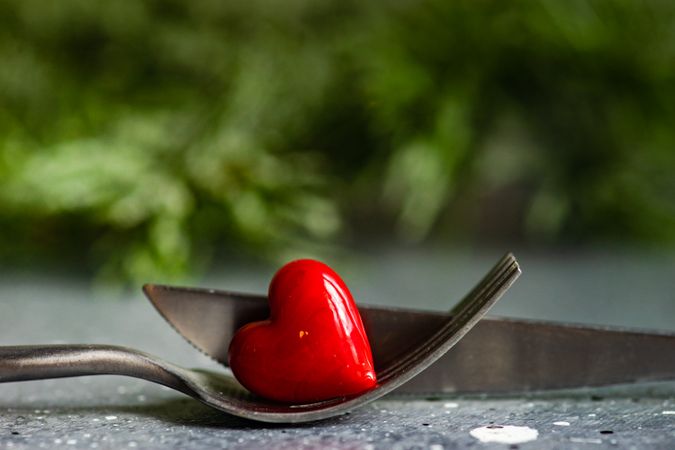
498	355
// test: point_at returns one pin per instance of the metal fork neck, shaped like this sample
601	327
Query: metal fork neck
37	362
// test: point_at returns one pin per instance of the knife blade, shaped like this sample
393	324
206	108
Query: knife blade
499	355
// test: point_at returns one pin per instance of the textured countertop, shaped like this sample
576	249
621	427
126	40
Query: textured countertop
116	412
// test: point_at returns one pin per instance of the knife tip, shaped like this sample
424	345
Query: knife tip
148	289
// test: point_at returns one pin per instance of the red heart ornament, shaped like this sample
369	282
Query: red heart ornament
312	348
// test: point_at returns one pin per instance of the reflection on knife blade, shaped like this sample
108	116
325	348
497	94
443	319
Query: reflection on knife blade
497	356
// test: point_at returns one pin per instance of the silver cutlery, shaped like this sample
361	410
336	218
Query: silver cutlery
222	313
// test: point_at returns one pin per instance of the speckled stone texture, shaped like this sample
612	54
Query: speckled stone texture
122	413
116	412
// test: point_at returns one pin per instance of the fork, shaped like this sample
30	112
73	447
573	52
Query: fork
221	390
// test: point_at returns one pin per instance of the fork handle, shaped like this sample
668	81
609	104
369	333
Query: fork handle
39	362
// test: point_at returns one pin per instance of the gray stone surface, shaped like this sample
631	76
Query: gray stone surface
115	412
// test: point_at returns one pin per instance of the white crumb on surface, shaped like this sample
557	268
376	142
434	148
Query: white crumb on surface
577	440
504	434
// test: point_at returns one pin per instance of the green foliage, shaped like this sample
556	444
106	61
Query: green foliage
142	135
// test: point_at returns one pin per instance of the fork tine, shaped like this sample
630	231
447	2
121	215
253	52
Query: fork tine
450	333
489	279
466	314
468	311
504	263
455	330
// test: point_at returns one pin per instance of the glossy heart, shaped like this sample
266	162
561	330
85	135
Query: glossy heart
312	348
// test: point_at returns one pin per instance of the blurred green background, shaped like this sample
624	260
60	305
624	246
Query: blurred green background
142	140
